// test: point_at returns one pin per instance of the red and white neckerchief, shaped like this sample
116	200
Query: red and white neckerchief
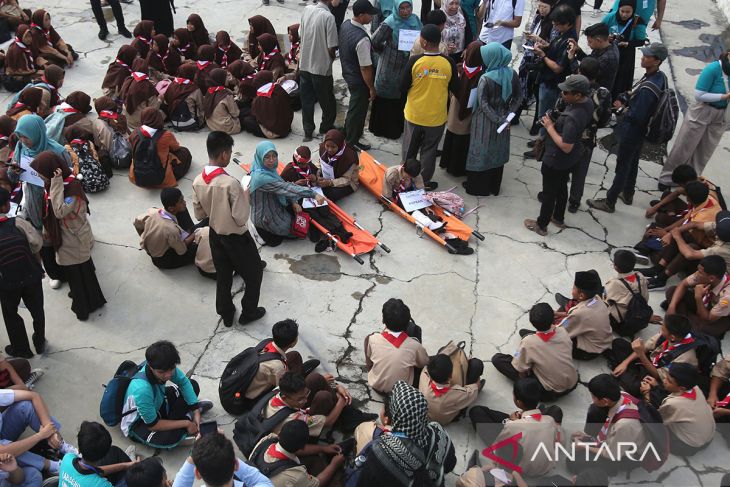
147	131
4	218
184	50
267	90
28	53
46	33
215	89
471	72
139	76
275	452
270	347
162	60
630	278
3	138
332	159
266	57
278	402
709	295
109	114
202	64
395	338
545	336
438	390
65	107
122	63
692	394
604	430
292	55
209	176
724	402
144	39
667	347
710	203
77	142
182	81
224	59
19	104
537	417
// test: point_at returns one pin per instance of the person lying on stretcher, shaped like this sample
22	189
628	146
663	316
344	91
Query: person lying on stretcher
406	178
303	172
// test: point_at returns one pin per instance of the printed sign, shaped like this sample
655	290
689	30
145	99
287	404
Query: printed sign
406	39
414	200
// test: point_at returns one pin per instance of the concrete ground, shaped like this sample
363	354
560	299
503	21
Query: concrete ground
482	299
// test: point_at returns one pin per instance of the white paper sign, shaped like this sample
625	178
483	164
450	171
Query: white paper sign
29	175
472	98
413	200
406	39
13	210
311	202
328	172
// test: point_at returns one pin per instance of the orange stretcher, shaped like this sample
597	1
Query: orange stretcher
372	173
362	242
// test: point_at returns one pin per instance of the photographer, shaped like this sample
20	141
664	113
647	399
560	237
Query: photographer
602	50
642	102
563	150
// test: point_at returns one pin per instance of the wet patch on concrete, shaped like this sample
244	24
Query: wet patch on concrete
693	24
317	267
692	71
382	279
357	295
650	152
711	50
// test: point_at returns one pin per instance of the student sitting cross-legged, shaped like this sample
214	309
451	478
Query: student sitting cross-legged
147	473
545	355
445	399
619	290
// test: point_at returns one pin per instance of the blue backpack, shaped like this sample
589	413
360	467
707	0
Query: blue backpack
112	401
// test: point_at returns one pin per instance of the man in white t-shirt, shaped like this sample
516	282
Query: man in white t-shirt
501	17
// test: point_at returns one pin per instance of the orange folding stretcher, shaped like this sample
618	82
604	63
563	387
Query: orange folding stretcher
362	242
372	173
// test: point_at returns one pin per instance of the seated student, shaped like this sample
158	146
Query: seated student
271	197
206	65
7	127
719	230
270	58
613	419
587	321
618	291
219	105
12	474
143	33
632	361
214	461
163	61
183	102
106	126
147	473
51	48
277	457
545	355
719	396
84	159
226	51
371	430
292	57
482	475
445	399
14	15
182	43
203	256
672	261
271	109
198	33
16	373
593	477
97	462
339	166
685	411
159	416
169	246
118	71
28	103
538	428
175	158
241	72
403	178
20	60
704	297
72	111
49	84
138	93
671	207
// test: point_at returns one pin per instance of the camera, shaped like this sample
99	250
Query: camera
552	115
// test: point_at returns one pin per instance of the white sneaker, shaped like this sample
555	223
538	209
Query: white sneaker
596	12
67	447
131	452
55	283
35	374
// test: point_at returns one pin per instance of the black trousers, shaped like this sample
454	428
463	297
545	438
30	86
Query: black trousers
32	296
173	260
114	455
174	408
578	176
99	13
54	271
554	195
503	363
314	88
579	354
338	192
357	112
236	253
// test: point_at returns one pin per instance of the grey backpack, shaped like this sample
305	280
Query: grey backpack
120	152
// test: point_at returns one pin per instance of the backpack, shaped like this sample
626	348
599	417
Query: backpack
706	347
455	351
182	119
638	312
148	169
112	401
654	430
661	125
120	152
14	84
55	123
451	202
352	474
93	179
18	266
269	469
238	375
252	427
601	107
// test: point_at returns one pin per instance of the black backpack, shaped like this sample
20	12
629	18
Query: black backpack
706	347
661	124
182	119
18	266
148	169
638	312
654	430
269	469
250	428
238	375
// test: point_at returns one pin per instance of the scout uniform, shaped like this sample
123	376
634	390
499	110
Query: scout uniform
290	477
314	422
623	430
445	401
617	296
393	182
717	300
549	356
703	213
269	372
392	356
657	352
689	417
222	200
720	247
159	232
225	117
366	432
537	429
589	325
203	256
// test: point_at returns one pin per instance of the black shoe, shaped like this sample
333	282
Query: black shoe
658	282
74	55
561	300
245	319
654	202
9	350
534	130
263	264
431	185
39	343
309	366
103	33
124	32
322	245
361	146
651	271
351	417
347	446
662	187
627	199
228	320
531	143
524	332
530	154
307	137
573	207
205	405
664	304
539	196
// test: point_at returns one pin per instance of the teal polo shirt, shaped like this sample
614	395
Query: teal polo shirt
712	80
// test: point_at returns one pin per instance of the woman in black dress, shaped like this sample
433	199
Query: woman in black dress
160	12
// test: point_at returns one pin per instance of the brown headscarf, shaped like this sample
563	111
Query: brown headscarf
46	164
258	25
53	75
186	47
143	37
181	87
120	69
205	64
107	110
243	74
75	132
166	60
29	99
153	118
271	106
200	34
7	127
81	102
42	37
469	73
226	51
293	31
345	157
271	54
21	57
206	53
217	92
138	88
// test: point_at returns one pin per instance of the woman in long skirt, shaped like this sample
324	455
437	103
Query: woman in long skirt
160	12
628	31
498	95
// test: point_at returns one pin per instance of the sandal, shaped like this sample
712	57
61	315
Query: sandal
534	227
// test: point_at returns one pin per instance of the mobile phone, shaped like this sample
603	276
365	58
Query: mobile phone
529	48
489	25
208	427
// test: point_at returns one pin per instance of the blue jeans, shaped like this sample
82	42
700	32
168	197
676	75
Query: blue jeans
548	95
627	168
33	477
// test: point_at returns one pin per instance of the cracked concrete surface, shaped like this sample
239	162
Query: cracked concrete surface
482	299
